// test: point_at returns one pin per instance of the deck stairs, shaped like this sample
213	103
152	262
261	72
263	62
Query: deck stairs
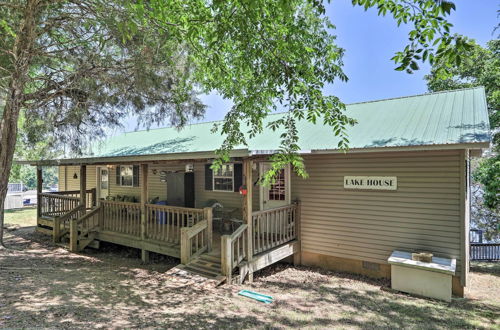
83	242
203	271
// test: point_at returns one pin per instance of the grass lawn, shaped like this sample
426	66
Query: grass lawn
21	217
46	286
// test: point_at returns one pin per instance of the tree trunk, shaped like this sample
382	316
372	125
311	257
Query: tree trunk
22	56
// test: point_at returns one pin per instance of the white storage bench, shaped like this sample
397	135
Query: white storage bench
428	279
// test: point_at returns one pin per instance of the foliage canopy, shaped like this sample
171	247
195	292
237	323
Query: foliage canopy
479	67
73	68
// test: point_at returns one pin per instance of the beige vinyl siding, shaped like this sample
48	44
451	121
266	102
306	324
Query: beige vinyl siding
68	182
202	196
423	213
91	176
61	175
156	188
115	189
256	190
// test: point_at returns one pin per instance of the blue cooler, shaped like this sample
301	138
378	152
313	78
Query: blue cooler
161	216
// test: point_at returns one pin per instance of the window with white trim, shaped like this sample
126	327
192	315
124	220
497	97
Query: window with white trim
277	191
223	178
126	175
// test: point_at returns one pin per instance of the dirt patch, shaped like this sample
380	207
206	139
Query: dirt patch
46	286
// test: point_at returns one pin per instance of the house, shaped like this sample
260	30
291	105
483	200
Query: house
403	185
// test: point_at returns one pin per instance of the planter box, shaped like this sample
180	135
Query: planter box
428	279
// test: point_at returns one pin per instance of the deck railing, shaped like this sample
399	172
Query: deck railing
233	250
121	217
274	227
194	241
164	223
90	196
62	223
53	205
82	228
485	251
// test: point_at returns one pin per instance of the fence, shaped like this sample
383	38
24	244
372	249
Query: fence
13	188
485	251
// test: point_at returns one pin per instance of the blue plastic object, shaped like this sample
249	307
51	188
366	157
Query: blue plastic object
256	296
161	216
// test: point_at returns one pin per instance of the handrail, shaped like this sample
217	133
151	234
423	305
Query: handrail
196	239
163	222
192	243
274	209
90	194
88	215
121	217
81	228
176	208
69	192
238	232
233	250
121	203
64	220
192	231
274	227
59	196
53	205
71	213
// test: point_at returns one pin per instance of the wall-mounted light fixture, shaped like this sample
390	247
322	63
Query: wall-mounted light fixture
154	171
75	176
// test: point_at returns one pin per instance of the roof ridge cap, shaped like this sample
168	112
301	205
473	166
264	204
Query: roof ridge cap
418	95
282	112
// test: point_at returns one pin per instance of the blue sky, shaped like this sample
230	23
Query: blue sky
370	41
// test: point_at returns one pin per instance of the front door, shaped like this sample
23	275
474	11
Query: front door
103	182
277	194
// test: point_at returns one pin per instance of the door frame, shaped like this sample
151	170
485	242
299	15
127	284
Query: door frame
98	181
288	184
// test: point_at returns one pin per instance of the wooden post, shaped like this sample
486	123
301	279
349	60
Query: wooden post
83	186
39	182
208	215
73	235
247	165
56	228
185	246
297	257
226	263
144	200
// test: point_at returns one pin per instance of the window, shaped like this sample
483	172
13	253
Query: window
126	175
223	178
104	179
277	190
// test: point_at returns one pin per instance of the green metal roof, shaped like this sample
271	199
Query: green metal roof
434	119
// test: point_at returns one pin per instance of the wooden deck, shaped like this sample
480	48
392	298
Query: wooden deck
185	233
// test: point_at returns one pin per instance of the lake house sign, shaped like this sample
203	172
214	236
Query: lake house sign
371	182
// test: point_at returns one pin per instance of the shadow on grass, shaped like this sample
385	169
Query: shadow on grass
378	308
491	267
63	289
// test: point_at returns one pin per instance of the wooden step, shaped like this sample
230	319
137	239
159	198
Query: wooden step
208	265
208	261
210	258
192	278
199	269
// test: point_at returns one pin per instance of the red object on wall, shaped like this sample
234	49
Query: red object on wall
243	190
